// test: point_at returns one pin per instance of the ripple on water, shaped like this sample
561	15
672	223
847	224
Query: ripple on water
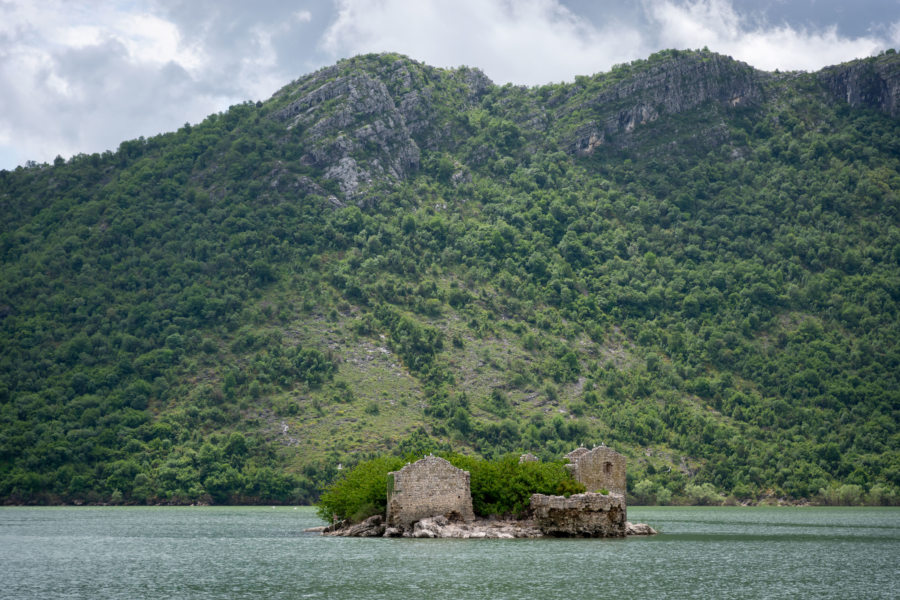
221	552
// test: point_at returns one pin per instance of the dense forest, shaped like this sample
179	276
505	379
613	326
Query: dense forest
692	261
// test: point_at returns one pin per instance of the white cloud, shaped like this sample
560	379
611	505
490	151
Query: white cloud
150	39
894	32
716	24
84	75
83	78
527	41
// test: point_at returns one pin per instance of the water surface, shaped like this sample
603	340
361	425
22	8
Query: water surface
224	552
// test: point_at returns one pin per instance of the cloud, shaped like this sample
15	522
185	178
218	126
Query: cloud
526	41
82	77
716	24
79	80
249	49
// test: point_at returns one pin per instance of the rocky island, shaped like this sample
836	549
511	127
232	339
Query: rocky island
431	498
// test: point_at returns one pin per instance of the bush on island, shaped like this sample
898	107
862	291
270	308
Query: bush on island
499	487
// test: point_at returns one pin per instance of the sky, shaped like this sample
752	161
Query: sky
81	76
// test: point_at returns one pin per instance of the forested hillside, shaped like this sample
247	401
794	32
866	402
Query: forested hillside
692	261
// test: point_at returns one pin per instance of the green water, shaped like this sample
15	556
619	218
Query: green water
132	553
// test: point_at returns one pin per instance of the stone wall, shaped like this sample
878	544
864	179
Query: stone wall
580	515
599	469
428	488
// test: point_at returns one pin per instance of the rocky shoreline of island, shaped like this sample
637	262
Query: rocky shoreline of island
587	515
442	527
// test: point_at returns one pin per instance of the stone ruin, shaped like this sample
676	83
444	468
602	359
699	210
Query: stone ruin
599	469
580	515
432	498
592	514
429	487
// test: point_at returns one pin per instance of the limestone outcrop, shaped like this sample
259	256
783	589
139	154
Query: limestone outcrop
676	82
441	527
638	529
868	83
366	118
372	527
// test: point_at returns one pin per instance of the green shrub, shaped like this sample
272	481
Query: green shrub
703	495
361	492
844	495
504	486
499	487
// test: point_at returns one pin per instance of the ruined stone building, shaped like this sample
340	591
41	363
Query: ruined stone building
428	488
528	457
580	515
599	469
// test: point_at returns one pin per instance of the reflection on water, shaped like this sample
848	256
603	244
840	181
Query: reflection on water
263	552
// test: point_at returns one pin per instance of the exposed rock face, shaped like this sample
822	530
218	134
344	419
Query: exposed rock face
441	527
371	527
365	118
869	83
638	529
349	116
580	515
671	86
528	457
438	527
368	119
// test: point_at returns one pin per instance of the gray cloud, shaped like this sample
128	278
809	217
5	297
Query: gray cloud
91	98
83	80
251	46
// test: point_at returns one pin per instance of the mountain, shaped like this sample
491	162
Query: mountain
688	259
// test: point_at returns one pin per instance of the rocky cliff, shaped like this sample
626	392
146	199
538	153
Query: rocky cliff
668	83
366	118
370	118
868	83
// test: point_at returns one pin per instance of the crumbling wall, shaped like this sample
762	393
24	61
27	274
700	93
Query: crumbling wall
572	456
599	469
580	515
428	488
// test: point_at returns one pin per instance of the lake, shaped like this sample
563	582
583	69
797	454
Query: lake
261	552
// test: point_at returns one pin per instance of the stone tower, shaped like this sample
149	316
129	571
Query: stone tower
600	468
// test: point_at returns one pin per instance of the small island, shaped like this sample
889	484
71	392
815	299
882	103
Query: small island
432	498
